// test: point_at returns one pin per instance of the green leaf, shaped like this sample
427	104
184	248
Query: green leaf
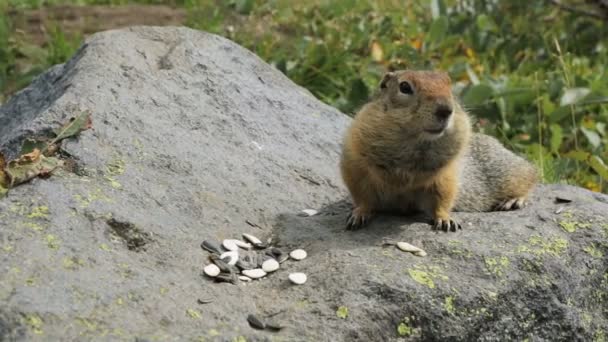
342	312
559	114
593	138
485	23
477	95
597	164
438	30
577	155
437	8
29	145
573	95
358	93
76	125
557	136
244	6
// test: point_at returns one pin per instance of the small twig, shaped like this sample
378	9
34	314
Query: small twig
576	10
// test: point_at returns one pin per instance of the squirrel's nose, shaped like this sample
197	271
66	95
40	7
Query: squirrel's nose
443	112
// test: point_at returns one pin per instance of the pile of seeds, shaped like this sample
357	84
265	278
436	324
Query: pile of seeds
237	260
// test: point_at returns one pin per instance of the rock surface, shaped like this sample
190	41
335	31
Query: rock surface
196	138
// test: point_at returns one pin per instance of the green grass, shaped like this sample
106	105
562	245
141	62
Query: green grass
532	75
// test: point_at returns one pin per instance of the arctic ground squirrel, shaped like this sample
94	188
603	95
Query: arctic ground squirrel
411	148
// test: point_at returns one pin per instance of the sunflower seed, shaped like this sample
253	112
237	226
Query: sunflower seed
307	212
298	254
255	322
244	278
227	278
243	244
230	257
254	273
406	247
297	278
254	240
211	270
270	265
273	324
211	246
230	245
224	267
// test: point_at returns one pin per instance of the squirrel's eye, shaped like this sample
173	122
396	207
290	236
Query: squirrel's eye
406	88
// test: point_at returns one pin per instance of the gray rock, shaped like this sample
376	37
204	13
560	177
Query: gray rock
203	137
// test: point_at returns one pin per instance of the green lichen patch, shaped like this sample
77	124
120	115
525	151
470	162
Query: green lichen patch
342	312
39	212
97	195
33	226
448	305
594	251
193	313
572	226
115	167
497	266
52	241
537	245
35	323
405	329
426	275
72	263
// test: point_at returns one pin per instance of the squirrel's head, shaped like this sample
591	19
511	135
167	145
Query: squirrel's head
420	100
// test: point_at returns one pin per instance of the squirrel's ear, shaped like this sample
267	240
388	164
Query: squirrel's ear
387	77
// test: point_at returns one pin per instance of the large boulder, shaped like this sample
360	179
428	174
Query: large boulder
196	138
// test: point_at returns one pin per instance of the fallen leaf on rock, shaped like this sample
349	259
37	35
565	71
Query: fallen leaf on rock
30	165
76	125
4	181
29	145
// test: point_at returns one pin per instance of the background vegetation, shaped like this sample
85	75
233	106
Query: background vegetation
533	73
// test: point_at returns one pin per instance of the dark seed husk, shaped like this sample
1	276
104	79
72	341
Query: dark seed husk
211	246
276	252
260	245
204	301
255	322
273	324
247	262
227	278
224	267
562	199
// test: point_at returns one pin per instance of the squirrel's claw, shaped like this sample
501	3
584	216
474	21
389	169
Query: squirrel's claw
447	225
511	204
357	219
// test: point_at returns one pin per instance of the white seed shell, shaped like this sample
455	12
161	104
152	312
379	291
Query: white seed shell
233	255
406	247
308	212
270	265
211	270
254	240
297	278
254	273
298	254
244	278
230	244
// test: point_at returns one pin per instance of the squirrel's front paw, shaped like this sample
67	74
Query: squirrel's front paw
446	224
358	218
